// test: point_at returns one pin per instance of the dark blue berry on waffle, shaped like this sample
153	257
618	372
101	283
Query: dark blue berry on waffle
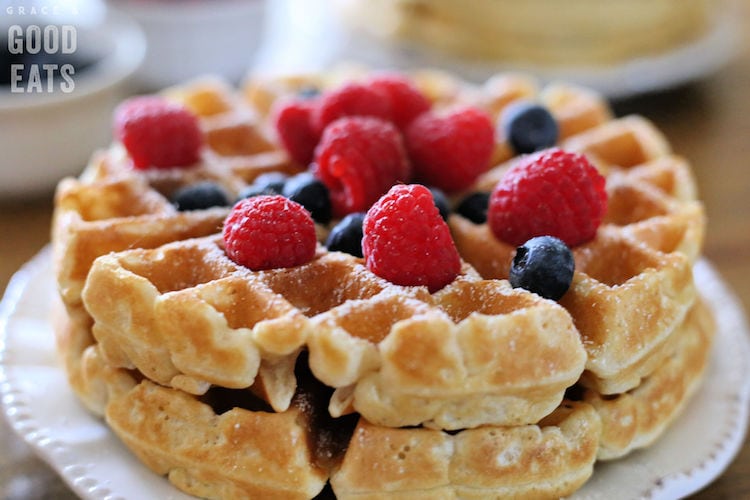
474	207
199	196
441	202
312	194
528	127
346	236
543	265
269	183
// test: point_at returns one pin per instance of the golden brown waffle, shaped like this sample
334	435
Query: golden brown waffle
206	455
548	460
633	282
111	207
475	353
175	434
584	37
201	445
164	335
636	418
227	444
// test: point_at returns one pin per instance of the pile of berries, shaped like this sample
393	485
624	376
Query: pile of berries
545	204
363	143
362	138
402	237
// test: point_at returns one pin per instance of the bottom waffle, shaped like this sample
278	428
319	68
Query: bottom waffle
635	419
548	460
240	453
229	443
252	452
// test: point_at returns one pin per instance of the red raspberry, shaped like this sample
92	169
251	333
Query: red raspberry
407	102
449	150
358	159
407	242
353	99
294	126
267	232
158	133
551	193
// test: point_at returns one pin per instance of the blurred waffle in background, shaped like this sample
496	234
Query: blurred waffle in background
547	32
619	48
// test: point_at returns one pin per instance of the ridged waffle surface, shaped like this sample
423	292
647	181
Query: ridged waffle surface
202	443
276	383
635	419
110	207
633	282
477	352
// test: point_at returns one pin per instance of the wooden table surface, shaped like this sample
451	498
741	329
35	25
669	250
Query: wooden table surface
707	122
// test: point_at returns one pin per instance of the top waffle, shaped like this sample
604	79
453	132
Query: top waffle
158	311
465	356
653	227
110	207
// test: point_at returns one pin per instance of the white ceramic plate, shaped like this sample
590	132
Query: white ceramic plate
43	411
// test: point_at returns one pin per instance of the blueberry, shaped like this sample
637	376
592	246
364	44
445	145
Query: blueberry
528	127
308	92
311	193
252	190
441	202
269	183
273	181
474	207
346	236
543	265
201	195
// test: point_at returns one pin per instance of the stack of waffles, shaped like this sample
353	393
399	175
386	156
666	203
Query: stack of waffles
325	379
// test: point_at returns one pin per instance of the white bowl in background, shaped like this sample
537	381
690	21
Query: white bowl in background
190	38
48	135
